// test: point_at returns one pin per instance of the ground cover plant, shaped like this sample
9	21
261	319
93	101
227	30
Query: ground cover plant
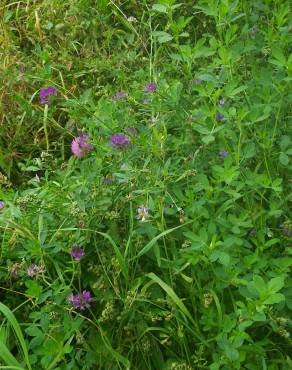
145	158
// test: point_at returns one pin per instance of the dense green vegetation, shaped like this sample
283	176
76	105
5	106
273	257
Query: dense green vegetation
145	184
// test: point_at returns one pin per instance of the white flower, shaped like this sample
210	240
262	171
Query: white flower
143	213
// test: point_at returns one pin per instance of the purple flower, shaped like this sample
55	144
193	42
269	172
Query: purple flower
77	252
2	204
108	180
150	87
46	93
223	154
143	213
34	270
119	141
131	131
219	116
80	301
79	146
119	95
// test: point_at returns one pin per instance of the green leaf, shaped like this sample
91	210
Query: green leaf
223	257
259	284
162	36
276	284
284	159
208	139
34	289
159	8
249	150
275	298
119	255
34	331
231	353
170	292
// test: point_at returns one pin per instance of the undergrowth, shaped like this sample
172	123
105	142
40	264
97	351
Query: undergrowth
145	156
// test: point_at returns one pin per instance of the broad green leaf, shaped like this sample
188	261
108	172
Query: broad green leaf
275	298
162	36
160	8
208	139
276	284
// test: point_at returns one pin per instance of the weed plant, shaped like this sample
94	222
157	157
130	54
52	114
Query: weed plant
145	157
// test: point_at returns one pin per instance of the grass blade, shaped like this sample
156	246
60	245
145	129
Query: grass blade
13	322
152	242
170	292
119	255
7	357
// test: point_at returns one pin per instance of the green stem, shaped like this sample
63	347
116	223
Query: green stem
45	125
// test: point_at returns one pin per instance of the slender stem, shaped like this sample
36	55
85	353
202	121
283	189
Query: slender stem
45	125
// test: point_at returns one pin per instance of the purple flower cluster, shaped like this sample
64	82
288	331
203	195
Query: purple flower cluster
80	146
80	301
223	153
108	180
77	253
119	141
150	87
219	116
46	93
2	204
34	270
120	95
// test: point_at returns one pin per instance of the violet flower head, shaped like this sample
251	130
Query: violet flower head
119	141
77	253
108	180
150	87
34	270
80	146
120	95
46	93
219	116
143	213
2	204
80	301
223	153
